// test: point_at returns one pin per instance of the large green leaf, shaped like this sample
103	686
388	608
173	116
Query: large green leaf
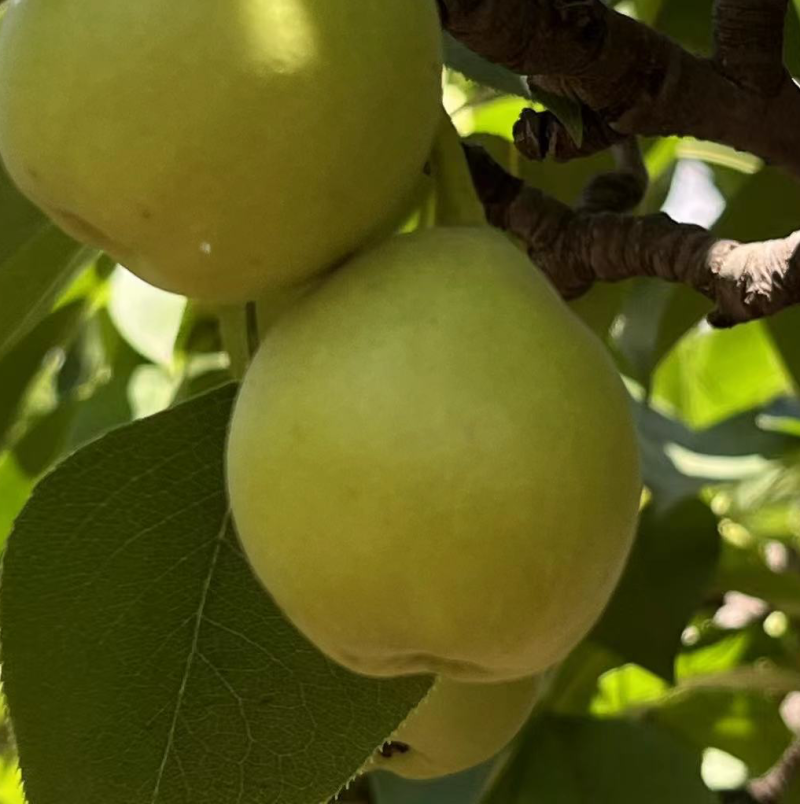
142	661
715	374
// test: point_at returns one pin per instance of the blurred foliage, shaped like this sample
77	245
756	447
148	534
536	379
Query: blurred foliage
688	684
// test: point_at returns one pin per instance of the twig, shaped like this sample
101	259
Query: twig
575	248
772	787
619	190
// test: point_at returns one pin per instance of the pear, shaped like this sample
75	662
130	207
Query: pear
432	463
457	726
220	149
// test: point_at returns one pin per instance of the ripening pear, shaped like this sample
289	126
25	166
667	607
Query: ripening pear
456	726
220	148
432	463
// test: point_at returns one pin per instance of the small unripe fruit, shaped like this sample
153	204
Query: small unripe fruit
432	463
219	148
457	726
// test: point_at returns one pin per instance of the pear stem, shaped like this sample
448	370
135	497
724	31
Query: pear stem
237	330
457	201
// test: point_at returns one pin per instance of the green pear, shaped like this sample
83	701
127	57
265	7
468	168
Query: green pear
457	726
432	463
218	149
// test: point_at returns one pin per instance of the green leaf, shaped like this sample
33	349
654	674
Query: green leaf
747	725
764	207
15	488
147	317
687	21
721	655
766	504
627	688
10	788
564	181
495	116
45	439
673	561
20	366
745	571
599	307
646	10
654	318
142	661
576	682
586	761
714	374
111	363
679	461
783	328
463	60
37	261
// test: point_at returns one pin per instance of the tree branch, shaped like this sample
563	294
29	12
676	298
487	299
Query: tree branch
772	787
633	80
622	189
575	248
748	42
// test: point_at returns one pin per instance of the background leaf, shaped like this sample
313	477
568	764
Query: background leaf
673	560
460	788
37	261
585	761
460	58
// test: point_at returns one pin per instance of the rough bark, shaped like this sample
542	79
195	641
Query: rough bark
632	80
576	248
